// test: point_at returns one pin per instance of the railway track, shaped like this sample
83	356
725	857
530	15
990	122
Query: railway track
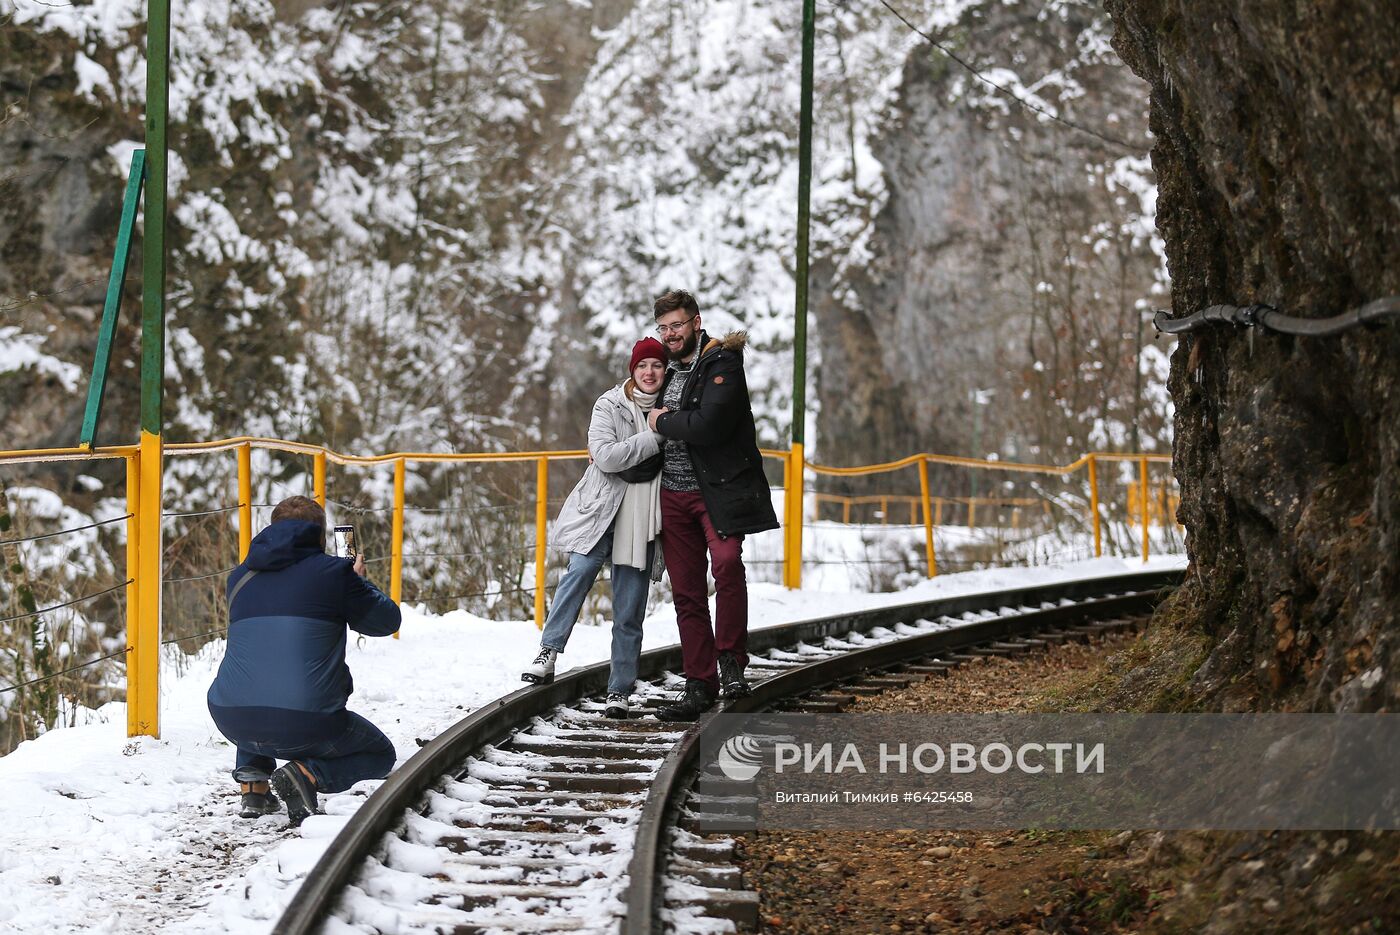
536	814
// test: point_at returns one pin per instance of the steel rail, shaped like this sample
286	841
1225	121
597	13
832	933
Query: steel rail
495	721
645	893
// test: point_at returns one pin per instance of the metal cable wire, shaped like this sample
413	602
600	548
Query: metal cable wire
76	600
64	532
197	636
478	554
223	509
212	574
92	662
1121	144
427	509
1271	319
424	598
360	509
467	509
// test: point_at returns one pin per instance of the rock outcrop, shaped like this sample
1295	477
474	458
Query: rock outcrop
1277	135
1004	256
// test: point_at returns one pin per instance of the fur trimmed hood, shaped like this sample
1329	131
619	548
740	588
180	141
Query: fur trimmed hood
733	341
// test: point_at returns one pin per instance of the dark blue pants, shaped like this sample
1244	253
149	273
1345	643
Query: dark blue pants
359	751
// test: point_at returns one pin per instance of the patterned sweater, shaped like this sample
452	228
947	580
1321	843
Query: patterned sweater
677	473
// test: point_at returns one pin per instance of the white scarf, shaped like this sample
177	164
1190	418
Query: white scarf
639	517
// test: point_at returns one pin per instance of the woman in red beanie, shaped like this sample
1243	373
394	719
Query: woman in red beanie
612	515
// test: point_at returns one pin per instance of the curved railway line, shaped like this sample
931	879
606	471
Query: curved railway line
535	813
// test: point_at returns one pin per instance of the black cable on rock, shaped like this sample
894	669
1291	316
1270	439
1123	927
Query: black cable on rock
1271	319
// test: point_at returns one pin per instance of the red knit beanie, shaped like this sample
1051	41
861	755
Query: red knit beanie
646	347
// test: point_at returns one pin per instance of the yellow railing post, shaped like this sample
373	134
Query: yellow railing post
133	601
792	510
787	518
541	535
1142	493
318	477
846	511
143	656
396	543
971	512
1094	505
245	499
928	518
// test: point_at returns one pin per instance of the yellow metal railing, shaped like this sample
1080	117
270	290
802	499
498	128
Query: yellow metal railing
400	460
923	460
143	604
972	505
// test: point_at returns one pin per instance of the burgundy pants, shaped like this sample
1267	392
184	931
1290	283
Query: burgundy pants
686	534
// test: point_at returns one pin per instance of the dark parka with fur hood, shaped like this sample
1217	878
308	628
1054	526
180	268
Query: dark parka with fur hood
715	421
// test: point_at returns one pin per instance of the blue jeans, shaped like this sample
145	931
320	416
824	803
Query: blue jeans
629	587
359	751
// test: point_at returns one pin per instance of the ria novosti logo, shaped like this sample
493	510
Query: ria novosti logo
740	758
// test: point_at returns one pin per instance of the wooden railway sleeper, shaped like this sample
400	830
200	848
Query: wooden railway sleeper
547	746
715	876
738	906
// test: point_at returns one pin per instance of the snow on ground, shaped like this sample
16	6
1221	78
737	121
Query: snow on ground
99	833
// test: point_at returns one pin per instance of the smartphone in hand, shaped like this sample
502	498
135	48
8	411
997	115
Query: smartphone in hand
344	542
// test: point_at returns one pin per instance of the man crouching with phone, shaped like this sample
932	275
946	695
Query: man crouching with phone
282	686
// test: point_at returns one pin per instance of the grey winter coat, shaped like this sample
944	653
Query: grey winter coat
615	445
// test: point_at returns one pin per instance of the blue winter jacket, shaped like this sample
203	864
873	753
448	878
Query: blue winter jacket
284	677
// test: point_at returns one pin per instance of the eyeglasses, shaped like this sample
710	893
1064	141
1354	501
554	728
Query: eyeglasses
674	328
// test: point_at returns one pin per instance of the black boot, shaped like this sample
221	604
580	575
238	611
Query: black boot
258	800
731	677
697	698
298	791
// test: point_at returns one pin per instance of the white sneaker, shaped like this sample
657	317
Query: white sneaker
541	671
617	708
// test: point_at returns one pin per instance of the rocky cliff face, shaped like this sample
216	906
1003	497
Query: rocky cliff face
1009	253
57	224
1276	157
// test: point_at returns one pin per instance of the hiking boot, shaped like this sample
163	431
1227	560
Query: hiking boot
731	677
258	800
298	791
697	698
541	671
617	708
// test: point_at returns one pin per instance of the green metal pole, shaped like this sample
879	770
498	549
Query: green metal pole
143	662
106	334
804	224
793	496
153	239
